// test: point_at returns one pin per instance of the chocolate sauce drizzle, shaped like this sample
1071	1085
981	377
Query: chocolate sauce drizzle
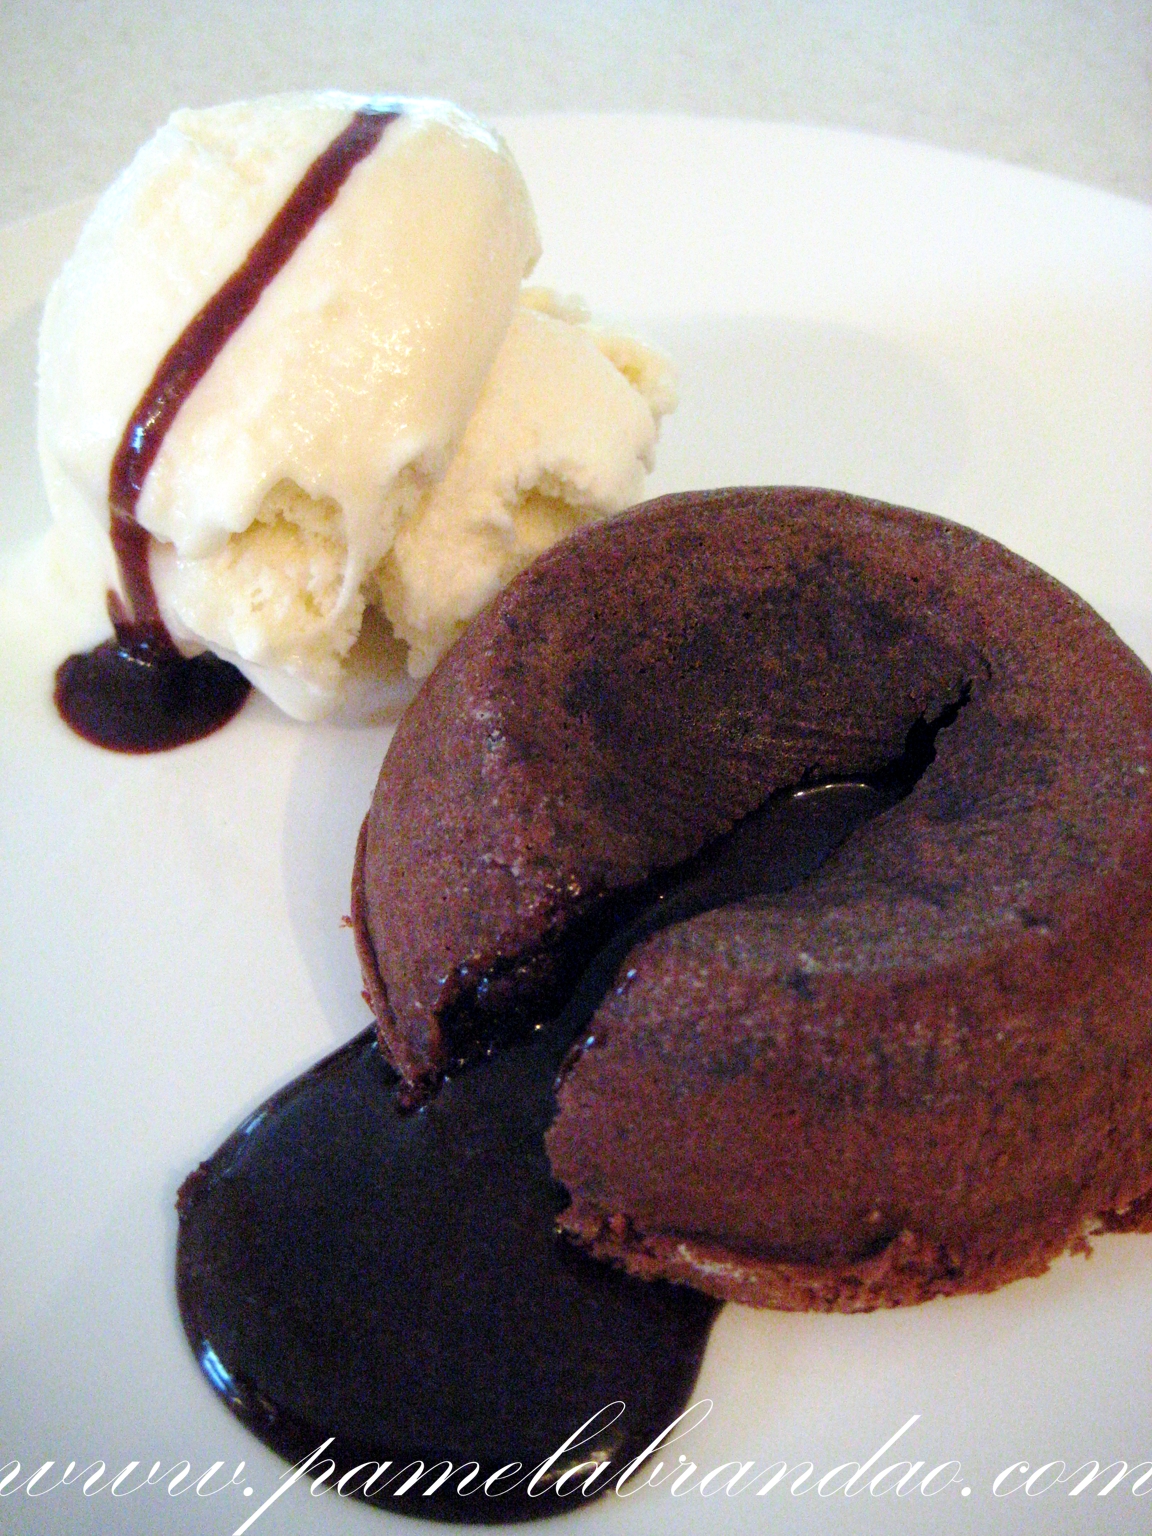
389	1284
136	692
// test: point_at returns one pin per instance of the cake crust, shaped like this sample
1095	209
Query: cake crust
928	1068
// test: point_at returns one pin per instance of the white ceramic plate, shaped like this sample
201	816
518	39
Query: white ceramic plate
848	311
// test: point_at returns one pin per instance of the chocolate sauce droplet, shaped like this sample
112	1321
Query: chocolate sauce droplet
392	1281
137	693
145	697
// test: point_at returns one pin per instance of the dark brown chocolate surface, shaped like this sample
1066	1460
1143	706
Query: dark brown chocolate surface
695	664
925	1070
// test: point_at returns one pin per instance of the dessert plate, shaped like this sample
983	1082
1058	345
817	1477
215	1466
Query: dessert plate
928	328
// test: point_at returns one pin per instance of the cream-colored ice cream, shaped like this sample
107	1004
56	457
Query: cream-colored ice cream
390	435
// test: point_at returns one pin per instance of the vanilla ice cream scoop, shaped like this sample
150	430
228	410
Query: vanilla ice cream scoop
366	454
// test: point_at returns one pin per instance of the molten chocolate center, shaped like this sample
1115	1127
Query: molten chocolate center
391	1282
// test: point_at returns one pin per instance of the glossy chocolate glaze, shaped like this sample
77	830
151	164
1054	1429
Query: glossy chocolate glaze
137	693
391	1281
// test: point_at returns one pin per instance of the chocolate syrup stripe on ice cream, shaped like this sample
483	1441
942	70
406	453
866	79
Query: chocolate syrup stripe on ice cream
136	692
389	1283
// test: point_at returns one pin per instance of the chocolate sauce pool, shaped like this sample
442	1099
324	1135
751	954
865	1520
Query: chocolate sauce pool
391	1282
136	692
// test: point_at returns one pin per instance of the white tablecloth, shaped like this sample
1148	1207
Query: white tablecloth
1061	85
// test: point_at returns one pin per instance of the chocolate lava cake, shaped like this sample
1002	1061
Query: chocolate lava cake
925	1069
